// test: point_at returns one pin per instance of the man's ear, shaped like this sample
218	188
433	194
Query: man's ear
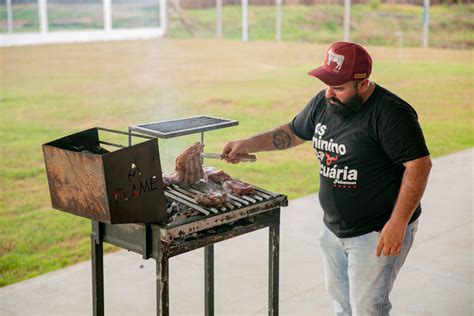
364	85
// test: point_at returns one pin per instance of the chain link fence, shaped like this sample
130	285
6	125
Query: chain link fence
135	13
77	15
23	14
373	22
65	15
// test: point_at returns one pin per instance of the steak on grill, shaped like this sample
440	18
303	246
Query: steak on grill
238	187
215	175
211	198
168	180
188	168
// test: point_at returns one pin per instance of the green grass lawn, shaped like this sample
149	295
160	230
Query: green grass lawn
53	90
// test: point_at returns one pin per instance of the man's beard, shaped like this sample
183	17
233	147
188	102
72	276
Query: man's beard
345	109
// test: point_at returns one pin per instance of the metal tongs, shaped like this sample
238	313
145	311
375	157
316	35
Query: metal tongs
240	157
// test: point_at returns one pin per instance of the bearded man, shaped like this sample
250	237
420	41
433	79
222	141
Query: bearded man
374	167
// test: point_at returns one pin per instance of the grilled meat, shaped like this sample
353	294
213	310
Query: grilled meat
238	187
216	175
188	166
168	180
211	198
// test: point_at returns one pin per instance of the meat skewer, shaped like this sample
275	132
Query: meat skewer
240	157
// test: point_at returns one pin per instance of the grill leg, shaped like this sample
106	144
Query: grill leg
162	282
274	266
97	270
209	280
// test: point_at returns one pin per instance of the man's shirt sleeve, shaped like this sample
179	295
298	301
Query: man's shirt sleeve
303	124
400	133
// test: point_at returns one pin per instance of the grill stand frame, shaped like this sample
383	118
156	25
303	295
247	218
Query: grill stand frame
145	239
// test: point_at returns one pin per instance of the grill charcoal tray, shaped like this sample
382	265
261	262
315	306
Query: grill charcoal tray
180	127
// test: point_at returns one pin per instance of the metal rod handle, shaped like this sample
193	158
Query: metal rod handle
112	144
124	133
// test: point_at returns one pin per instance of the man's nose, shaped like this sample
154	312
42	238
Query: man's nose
329	92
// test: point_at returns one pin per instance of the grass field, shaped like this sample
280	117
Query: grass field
51	91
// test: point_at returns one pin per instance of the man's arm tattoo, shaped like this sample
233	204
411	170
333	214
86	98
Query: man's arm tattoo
281	140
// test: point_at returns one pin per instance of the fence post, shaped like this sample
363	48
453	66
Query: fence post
347	19
107	5
9	16
43	16
219	18
426	21
245	20
399	34
278	20
163	16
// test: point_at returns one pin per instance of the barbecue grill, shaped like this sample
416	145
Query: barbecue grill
137	215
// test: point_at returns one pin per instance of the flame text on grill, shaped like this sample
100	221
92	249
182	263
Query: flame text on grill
138	186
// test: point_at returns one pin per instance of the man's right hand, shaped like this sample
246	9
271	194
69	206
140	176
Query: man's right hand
279	138
234	148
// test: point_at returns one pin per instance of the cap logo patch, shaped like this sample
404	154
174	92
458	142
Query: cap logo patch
360	76
338	59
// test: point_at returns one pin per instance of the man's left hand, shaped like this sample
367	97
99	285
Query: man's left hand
391	239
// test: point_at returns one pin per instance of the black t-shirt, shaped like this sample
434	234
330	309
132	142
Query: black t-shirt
361	159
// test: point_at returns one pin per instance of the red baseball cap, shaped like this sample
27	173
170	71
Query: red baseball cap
344	62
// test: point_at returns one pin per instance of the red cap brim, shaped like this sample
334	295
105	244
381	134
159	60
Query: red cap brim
328	78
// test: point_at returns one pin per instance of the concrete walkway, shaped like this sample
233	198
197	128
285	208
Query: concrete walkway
437	278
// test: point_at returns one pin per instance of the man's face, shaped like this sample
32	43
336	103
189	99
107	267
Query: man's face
344	100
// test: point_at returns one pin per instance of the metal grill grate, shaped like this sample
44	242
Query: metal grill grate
235	208
187	197
180	127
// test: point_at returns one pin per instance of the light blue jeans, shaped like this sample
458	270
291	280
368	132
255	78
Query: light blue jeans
358	281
